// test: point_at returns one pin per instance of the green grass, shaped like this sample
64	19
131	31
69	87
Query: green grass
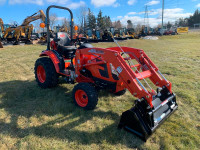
34	118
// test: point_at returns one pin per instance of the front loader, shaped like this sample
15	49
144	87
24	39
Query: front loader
116	69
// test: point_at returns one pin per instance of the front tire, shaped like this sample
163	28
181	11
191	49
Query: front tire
45	73
85	96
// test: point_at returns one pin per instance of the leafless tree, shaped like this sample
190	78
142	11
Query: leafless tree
37	27
138	27
53	19
117	24
82	15
65	25
14	23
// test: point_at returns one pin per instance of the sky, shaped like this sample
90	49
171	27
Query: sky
123	10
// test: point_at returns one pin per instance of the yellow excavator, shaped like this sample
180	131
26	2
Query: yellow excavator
24	31
1	32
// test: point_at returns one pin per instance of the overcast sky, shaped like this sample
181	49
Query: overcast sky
18	10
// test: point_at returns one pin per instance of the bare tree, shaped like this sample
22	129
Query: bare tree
53	19
65	25
117	24
138	27
82	15
37	27
14	23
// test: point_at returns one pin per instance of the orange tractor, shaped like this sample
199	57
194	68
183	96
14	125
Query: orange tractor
112	68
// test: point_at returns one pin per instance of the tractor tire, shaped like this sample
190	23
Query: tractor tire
120	93
85	96
45	73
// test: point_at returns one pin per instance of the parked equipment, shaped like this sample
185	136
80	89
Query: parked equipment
111	68
107	36
92	36
1	32
1	28
131	33
118	34
24	31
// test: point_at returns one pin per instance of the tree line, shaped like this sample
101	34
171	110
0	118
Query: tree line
87	20
190	21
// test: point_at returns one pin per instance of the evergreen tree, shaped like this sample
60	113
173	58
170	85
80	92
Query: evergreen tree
100	21
194	19
183	22
169	25
108	22
91	20
130	24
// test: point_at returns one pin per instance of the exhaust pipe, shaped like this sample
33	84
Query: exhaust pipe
142	120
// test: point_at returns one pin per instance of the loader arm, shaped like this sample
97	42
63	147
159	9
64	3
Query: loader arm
129	78
151	108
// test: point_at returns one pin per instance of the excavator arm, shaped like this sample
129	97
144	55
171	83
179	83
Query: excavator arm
25	29
2	31
38	15
1	25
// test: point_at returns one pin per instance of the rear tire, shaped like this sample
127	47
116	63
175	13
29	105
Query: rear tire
85	96
45	73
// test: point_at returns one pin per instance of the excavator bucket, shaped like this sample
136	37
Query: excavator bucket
143	120
1	45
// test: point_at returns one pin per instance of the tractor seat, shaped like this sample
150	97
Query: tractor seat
64	47
67	51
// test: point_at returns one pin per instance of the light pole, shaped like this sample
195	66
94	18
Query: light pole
162	12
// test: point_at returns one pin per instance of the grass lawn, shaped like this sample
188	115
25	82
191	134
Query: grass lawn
35	118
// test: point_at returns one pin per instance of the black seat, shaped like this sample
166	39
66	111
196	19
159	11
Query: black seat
64	47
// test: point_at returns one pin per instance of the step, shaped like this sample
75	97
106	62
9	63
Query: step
133	66
127	58
144	74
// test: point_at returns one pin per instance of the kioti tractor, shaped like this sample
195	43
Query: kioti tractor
116	69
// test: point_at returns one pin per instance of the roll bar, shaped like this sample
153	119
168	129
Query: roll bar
48	22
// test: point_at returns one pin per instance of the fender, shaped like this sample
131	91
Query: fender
55	58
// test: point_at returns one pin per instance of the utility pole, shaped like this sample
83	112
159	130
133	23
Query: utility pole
146	16
162	12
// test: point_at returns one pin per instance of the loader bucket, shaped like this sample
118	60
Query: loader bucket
143	120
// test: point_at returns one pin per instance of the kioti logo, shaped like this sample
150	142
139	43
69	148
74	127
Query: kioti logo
62	35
